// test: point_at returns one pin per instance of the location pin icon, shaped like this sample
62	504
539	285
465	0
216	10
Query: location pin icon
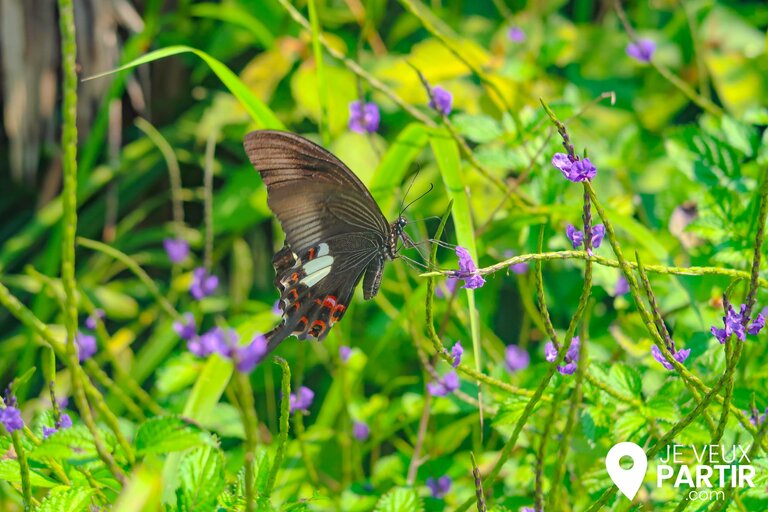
627	480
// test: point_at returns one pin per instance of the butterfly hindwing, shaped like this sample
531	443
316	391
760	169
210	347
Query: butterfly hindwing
335	232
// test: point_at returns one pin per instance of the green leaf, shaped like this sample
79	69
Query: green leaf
201	479
400	499
74	444
395	162
71	499
259	112
477	128
626	380
446	152
510	411
629	426
169	434
236	15
9	472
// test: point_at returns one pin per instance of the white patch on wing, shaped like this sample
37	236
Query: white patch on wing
317	269
322	250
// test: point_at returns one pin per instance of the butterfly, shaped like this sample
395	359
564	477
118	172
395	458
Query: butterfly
335	233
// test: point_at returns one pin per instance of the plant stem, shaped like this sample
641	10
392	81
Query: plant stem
285	415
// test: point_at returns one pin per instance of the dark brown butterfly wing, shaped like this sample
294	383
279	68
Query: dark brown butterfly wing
334	231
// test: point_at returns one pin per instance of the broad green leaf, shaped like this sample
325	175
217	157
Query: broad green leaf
511	410
400	499
74	443
201	479
69	499
9	472
234	14
477	128
626	380
168	434
259	112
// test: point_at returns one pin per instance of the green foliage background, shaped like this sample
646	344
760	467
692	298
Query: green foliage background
684	133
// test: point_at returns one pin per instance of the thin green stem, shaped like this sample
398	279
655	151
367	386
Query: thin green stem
538	497
69	220
210	150
21	457
250	424
322	89
285	416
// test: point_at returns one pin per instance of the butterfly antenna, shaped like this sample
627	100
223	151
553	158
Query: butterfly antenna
431	187
405	196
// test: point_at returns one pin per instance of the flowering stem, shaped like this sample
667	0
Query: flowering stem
210	149
69	221
751	298
538	498
21	457
285	415
481	507
607	262
550	329
250	424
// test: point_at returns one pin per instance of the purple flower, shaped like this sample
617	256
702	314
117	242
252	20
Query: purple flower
571	357
302	400
622	286
456	352
203	283
527	509
516	34
574	235
598	233
755	418
758	323
441	100
733	323
248	356
277	309
444	386
516	358
519	268
177	249
450	286
10	417
90	322
468	270
363	117
186	328
211	341
360	431
86	346
344	353
642	50
439	487
576	171
64	422
679	356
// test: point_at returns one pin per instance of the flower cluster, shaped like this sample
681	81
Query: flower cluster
344	353
363	117
571	357
576	170
203	283
516	35
456	352
222	342
441	100
177	249
441	387
642	50
10	416
360	430
516	358
577	236
64	422
467	270
302	400
439	487
738	324
755	418
679	355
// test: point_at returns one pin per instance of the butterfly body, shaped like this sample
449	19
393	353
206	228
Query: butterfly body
335	233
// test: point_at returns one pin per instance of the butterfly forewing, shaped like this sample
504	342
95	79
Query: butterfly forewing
334	231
